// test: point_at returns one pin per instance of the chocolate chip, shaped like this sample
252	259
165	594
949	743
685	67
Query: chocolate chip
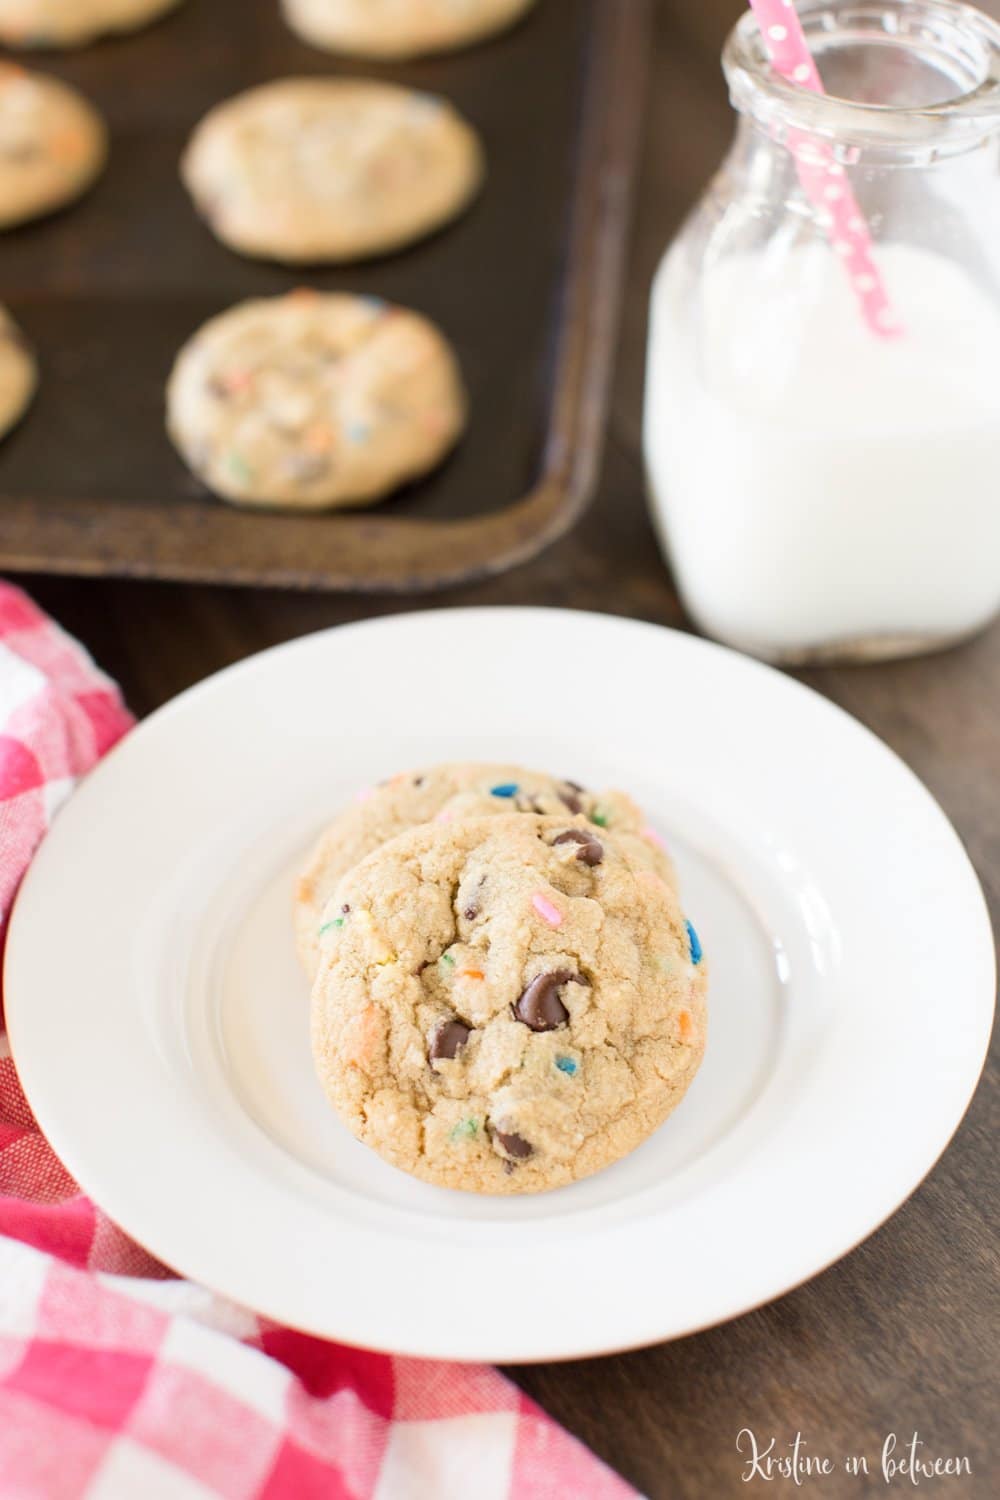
418	781
448	1040
514	1145
591	850
569	798
471	913
217	388
306	467
539	1005
345	908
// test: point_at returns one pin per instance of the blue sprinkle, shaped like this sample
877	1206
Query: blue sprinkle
358	432
566	1065
374	304
507	789
694	943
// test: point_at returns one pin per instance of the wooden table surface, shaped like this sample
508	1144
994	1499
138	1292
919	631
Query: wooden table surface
903	1334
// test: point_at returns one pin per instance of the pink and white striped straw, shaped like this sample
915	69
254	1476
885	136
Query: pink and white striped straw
823	179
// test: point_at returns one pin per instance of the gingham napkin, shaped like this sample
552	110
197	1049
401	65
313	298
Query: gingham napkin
119	1382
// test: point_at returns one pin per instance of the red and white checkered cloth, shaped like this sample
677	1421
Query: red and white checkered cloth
119	1382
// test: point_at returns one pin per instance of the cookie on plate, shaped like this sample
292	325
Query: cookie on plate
71	23
18	372
446	792
53	144
313	401
506	1004
330	169
399	28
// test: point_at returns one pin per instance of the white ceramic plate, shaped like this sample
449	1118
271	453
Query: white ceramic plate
159	1021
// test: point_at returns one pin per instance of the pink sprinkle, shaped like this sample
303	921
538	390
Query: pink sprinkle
548	913
653	837
444	817
365	793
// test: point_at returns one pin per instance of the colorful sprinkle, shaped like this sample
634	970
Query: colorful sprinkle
444	816
239	468
505	789
694	943
446	958
373	304
651	835
548	913
685	1026
566	1065
318	437
464	1130
358	432
326	927
600	817
471	973
365	794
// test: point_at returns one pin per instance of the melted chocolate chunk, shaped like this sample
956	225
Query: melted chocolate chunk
514	1145
591	850
539	1005
449	1039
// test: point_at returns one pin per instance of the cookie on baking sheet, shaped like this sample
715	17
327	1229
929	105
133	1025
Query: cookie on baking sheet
330	169
461	790
399	28
312	401
506	1004
18	373
72	23
53	144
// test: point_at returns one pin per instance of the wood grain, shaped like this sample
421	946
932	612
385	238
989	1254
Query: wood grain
903	1333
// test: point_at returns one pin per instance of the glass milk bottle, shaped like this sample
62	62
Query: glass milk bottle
819	490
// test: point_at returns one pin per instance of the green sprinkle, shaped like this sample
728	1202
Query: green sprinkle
464	1130
446	958
337	922
239	468
599	817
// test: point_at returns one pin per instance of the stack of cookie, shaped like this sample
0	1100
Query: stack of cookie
506	995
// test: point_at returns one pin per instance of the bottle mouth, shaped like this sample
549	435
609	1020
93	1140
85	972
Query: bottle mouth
922	74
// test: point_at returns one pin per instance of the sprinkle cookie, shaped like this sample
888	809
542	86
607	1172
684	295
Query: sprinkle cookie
447	793
314	401
72	23
18	373
399	28
330	169
53	145
503	1008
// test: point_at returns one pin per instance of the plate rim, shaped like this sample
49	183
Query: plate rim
729	1307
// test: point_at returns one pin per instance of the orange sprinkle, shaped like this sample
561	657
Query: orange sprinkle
685	1026
363	1035
304	293
471	974
318	437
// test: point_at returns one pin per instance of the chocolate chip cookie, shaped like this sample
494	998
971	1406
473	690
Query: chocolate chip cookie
313	401
53	144
399	28
330	169
18	372
506	1004
72	23
447	793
